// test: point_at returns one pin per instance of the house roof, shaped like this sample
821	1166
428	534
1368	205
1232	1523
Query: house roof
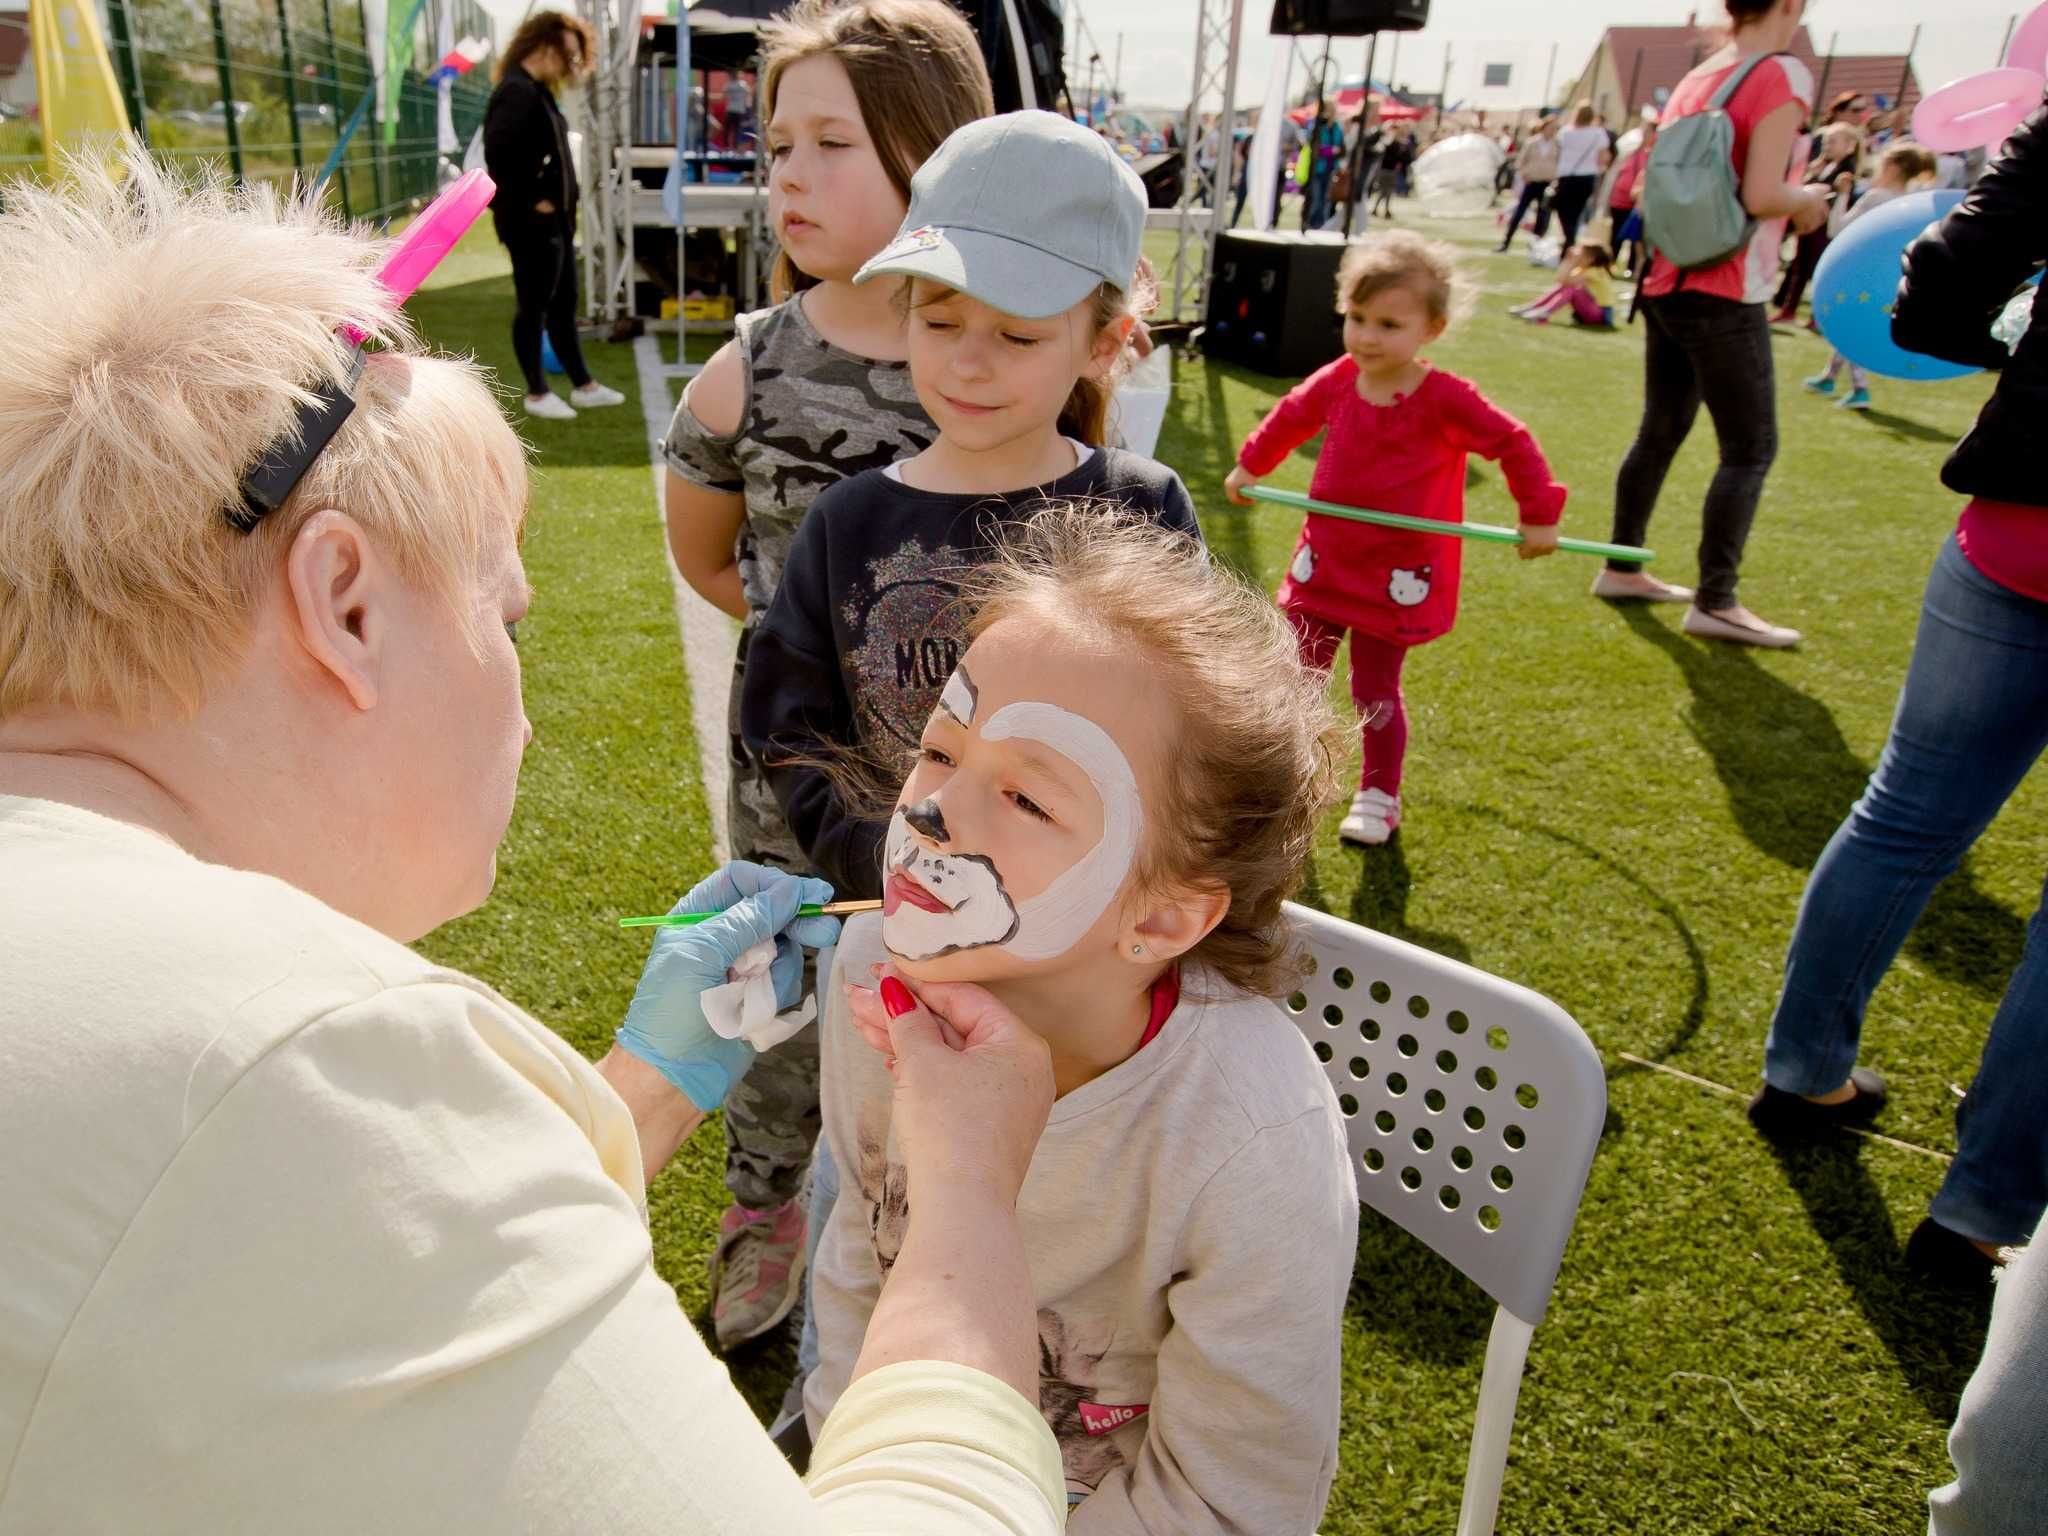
1657	58
13	40
1872	75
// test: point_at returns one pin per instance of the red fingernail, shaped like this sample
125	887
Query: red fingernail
896	997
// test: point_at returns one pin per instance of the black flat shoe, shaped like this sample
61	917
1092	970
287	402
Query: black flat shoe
1780	1114
1949	1259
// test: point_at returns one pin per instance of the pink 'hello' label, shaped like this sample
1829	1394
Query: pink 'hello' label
1101	1418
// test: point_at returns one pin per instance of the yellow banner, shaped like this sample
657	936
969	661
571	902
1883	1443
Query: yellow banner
81	103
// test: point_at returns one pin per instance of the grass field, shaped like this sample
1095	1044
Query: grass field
1597	807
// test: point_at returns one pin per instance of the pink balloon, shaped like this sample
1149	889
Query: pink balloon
1978	110
2029	48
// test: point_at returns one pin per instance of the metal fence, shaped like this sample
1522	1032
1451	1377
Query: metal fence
266	87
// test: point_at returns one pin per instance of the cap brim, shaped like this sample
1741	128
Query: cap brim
1004	274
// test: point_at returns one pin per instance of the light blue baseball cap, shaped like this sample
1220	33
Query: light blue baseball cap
1028	212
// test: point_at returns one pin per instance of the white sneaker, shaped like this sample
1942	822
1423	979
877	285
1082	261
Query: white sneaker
1372	818
594	393
552	406
1750	630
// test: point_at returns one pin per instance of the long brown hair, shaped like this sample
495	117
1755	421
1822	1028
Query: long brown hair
916	70
547	29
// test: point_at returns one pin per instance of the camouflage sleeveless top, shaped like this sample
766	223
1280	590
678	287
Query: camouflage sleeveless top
814	414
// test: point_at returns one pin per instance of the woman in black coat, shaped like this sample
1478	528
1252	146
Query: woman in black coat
1971	723
526	149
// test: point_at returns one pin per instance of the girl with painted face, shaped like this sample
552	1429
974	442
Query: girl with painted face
1114	793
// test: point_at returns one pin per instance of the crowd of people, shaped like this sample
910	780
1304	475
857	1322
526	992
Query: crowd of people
1036	1149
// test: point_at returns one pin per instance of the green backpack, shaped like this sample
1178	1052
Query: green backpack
1692	198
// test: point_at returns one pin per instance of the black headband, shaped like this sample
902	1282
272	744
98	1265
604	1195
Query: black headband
281	466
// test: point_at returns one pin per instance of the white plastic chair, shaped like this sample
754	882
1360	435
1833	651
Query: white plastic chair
1473	1107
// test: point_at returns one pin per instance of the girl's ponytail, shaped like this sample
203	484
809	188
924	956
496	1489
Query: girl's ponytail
1085	416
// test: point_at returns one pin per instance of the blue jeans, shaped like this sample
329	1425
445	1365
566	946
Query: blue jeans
1971	721
1315	202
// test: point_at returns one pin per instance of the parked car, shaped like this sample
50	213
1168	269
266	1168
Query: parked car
215	116
314	114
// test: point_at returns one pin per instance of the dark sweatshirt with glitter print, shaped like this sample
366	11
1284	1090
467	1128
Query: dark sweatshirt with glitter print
863	632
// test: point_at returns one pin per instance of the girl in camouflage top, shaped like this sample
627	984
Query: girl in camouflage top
855	97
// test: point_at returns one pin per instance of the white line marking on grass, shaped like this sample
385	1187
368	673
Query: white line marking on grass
1737	1093
709	636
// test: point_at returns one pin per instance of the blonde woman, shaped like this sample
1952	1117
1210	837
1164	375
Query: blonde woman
297	1230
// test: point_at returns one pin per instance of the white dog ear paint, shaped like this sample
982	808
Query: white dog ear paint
936	903
959	697
1052	922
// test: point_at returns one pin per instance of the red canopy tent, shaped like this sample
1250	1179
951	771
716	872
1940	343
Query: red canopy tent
1349	102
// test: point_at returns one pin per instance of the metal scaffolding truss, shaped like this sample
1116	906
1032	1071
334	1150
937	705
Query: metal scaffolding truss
1216	41
608	144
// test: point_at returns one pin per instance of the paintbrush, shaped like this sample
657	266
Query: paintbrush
691	919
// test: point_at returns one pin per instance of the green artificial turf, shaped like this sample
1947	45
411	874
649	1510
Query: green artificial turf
1596	806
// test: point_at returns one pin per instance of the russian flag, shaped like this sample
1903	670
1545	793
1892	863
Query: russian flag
459	60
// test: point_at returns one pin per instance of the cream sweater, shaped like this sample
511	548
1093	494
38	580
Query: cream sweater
301	1233
1190	1218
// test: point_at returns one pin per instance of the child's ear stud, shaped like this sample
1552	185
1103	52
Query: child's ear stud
1137	949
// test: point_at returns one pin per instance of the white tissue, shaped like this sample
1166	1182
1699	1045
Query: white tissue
744	1008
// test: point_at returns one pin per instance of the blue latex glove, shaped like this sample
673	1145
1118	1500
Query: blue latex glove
665	1026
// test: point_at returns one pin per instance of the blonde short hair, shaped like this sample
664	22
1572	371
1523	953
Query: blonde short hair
159	335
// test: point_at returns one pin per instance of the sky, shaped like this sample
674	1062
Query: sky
1158	40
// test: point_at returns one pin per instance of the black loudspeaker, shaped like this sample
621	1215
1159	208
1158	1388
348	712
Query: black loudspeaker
1347	18
1273	301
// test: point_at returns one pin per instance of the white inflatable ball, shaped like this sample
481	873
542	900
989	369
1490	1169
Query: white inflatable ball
1454	177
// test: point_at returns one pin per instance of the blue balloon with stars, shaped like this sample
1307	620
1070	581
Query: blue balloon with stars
1857	283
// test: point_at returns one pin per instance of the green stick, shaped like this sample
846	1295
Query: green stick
1485	532
691	919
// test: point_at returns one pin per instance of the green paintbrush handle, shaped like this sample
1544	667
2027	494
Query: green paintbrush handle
1484	532
691	919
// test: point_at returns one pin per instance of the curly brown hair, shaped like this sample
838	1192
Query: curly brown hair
550	29
1254	763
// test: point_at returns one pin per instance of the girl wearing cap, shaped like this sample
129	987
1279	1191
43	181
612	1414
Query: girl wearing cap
1018	263
855	96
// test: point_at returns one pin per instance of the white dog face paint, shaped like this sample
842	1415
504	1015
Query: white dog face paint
939	899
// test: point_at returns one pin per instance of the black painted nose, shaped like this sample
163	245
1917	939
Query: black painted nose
925	817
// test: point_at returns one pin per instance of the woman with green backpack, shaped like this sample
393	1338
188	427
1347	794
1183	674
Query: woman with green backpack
1717	195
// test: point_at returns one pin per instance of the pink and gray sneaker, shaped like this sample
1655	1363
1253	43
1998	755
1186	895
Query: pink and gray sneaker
757	1271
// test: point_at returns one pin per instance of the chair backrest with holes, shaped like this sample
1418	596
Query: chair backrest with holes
1473	1106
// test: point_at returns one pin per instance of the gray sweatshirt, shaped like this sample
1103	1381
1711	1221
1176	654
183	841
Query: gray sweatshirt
1190	1219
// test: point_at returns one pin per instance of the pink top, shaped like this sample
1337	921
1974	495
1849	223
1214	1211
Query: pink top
1750	274
1623	193
2007	542
1408	457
